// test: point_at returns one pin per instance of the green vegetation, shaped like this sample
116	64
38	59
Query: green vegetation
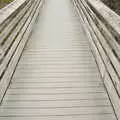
4	2
113	4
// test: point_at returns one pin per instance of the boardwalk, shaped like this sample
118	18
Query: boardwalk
57	78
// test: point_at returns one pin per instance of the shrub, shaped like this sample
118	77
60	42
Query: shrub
5	1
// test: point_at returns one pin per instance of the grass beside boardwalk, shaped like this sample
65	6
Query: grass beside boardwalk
113	4
4	3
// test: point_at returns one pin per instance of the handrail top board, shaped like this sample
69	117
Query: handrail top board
10	9
112	18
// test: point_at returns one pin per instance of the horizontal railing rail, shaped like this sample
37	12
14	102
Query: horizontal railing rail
10	9
102	26
16	22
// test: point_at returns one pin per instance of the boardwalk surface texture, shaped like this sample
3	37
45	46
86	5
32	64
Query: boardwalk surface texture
57	78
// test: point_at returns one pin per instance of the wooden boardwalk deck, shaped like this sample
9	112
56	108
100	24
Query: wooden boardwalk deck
57	77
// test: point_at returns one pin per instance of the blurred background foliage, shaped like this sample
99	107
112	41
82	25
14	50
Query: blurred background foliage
4	2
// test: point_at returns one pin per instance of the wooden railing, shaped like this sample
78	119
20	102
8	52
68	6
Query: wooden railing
102	26
16	22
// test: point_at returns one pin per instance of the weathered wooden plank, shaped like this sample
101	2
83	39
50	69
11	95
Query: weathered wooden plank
9	40
59	94
115	99
57	91
57	111
10	9
105	57
113	74
110	38
6	22
44	104
108	47
111	18
54	97
87	13
42	85
67	117
13	45
91	37
12	24
11	67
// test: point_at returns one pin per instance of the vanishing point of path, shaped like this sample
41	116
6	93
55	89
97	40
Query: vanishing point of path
57	77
